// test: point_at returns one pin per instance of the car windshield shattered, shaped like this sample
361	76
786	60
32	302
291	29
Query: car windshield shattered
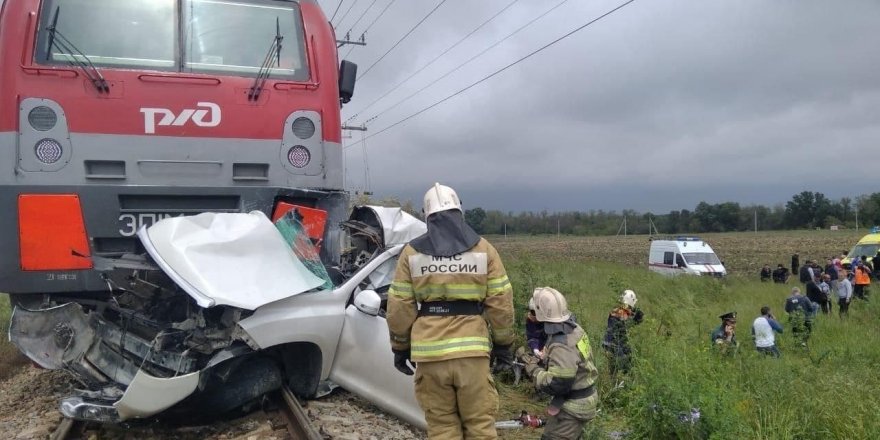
223	308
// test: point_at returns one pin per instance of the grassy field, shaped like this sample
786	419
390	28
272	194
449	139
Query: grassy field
826	390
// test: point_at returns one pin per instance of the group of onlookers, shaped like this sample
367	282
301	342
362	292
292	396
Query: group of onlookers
822	285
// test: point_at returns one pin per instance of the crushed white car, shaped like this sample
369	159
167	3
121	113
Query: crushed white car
223	309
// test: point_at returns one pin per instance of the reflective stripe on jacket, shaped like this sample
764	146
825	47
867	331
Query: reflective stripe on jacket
475	275
570	367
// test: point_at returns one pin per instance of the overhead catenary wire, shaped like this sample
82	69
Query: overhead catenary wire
337	10
345	14
351	28
495	73
370	25
407	34
429	63
471	59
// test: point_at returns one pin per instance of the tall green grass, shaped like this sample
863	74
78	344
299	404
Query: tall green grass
826	390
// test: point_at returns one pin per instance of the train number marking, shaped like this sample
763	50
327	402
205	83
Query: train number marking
130	223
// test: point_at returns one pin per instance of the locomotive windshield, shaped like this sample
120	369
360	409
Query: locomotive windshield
235	37
214	36
113	33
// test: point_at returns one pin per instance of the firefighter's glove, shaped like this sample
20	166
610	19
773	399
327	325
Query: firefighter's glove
639	316
530	361
503	358
401	357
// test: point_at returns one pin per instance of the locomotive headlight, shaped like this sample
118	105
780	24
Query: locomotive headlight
48	151
42	118
299	156
303	127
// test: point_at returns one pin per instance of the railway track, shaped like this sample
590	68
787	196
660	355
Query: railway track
298	424
283	406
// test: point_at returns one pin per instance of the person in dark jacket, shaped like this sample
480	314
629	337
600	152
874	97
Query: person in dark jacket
766	273
780	274
832	272
795	264
800	314
535	336
616	342
818	295
724	336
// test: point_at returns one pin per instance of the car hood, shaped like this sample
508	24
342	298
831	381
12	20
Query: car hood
233	259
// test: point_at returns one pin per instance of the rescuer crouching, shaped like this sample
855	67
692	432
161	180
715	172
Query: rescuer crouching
567	371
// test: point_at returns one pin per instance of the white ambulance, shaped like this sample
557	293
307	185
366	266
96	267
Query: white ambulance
684	255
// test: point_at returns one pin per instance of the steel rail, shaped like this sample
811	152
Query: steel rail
298	424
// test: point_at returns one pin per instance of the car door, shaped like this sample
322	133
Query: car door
364	363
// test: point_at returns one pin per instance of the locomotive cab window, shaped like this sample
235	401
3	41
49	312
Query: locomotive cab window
248	39
110	33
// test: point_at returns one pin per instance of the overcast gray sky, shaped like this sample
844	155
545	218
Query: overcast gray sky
659	106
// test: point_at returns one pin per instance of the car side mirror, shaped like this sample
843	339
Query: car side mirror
369	302
347	76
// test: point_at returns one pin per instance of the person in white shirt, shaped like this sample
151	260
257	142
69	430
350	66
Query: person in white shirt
764	329
844	294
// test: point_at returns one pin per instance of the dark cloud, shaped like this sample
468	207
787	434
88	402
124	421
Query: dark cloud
657	107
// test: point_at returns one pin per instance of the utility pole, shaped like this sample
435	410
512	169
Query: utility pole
361	127
856	209
347	40
756	221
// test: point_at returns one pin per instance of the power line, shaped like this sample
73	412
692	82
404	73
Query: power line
371	25
493	74
337	10
345	14
469	60
393	88
402	38
351	28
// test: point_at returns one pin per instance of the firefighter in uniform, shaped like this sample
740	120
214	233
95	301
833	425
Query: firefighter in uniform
450	289
616	342
567	371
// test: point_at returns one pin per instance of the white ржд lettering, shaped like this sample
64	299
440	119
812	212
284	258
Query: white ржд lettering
197	116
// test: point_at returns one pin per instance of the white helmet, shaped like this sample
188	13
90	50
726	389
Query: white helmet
550	305
629	298
441	198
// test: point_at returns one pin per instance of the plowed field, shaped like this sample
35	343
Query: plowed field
743	253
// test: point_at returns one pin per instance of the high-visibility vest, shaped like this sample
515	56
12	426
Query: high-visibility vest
861	276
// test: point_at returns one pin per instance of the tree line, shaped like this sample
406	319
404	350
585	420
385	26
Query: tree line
806	210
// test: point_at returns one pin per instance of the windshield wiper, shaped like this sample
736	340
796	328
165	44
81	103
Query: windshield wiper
274	54
58	40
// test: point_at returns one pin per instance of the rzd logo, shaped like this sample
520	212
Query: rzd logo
168	118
